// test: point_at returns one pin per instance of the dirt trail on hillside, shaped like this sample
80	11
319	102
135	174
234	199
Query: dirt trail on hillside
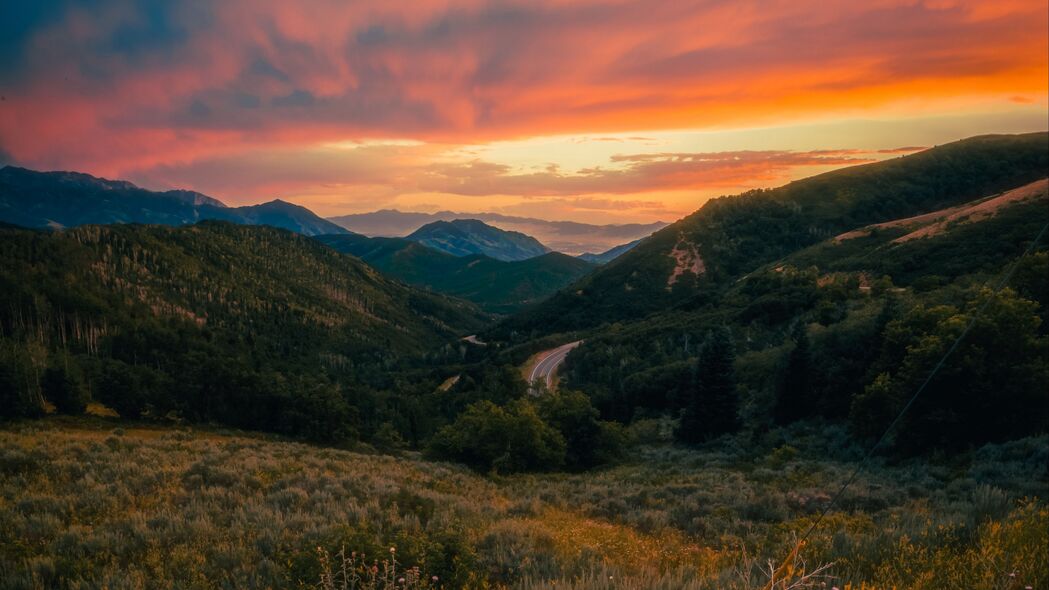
937	222
687	259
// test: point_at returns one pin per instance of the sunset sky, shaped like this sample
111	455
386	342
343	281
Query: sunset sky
590	110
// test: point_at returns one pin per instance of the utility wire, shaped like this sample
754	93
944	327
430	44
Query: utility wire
972	322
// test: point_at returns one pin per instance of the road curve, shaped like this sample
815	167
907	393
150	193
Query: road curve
547	366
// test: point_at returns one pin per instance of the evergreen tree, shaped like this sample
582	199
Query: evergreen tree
63	386
793	399
19	397
120	387
713	407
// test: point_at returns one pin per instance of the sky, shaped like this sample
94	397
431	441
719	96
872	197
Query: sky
607	111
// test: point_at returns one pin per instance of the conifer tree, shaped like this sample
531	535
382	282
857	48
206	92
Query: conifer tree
63	386
793	398
712	409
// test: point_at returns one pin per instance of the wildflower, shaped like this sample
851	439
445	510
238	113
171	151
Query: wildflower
393	550
433	579
400	580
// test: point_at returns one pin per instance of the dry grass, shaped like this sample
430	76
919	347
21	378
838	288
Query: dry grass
937	222
83	505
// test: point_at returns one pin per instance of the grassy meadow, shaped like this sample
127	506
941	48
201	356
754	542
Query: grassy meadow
94	503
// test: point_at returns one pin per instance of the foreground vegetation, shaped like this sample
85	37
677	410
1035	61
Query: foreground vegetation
86	505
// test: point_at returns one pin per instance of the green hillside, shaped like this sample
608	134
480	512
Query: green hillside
871	312
497	286
731	236
251	326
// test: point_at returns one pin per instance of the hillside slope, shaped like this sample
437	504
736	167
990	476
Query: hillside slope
879	304
731	236
610	254
497	286
464	237
68	199
246	325
219	504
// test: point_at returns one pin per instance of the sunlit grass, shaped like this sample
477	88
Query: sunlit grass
96	503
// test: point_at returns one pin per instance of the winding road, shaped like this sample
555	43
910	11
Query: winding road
546	367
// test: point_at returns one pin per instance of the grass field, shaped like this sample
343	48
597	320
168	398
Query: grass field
86	504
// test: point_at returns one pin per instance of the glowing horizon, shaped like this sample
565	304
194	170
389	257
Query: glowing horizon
597	110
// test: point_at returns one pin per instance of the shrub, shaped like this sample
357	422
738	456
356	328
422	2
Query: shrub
589	441
488	437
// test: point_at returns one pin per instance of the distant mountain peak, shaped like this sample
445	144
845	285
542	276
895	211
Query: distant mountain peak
463	237
66	199
570	237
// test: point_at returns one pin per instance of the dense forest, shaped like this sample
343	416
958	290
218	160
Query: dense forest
243	325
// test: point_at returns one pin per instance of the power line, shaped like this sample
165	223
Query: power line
972	322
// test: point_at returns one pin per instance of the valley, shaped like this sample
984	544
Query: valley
253	399
524	295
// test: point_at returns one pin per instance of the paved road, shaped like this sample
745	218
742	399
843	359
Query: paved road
546	368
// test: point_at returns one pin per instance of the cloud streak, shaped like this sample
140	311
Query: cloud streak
125	85
251	99
633	173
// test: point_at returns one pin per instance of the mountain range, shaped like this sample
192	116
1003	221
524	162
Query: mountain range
498	286
563	236
831	296
67	199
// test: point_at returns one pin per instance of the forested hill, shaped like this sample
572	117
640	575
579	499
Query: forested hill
849	328
214	321
731	236
66	199
466	237
496	285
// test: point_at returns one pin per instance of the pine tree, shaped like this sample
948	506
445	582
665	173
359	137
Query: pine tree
18	394
64	387
793	399
713	406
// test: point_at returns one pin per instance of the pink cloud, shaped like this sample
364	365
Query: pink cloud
109	90
634	173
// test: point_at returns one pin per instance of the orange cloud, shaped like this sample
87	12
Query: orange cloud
633	173
119	86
